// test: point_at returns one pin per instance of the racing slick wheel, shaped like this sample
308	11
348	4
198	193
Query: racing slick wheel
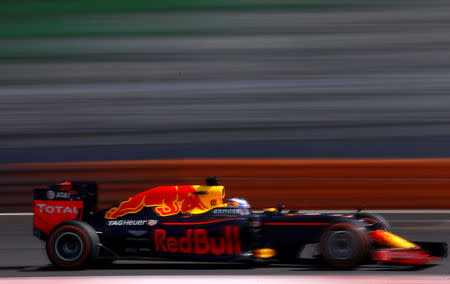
72	244
376	220
344	245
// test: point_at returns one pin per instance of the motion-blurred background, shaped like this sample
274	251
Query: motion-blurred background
88	85
114	80
107	80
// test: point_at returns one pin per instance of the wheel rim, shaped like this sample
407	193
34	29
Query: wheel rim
340	245
68	246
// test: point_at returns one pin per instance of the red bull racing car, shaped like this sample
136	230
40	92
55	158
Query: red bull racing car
192	222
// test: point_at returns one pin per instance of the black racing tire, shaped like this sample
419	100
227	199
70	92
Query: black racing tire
344	245
378	221
72	244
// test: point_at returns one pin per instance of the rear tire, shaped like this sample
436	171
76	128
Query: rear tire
344	245
72	244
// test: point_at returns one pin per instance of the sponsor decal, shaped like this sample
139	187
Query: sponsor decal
60	195
49	213
197	241
56	209
230	212
165	200
134	250
127	222
131	250
152	222
50	194
137	233
63	195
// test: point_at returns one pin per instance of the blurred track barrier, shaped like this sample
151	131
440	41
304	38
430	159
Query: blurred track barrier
265	279
300	184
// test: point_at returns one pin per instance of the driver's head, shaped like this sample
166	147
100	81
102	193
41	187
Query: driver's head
238	203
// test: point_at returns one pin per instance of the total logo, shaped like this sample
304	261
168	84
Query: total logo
198	241
57	209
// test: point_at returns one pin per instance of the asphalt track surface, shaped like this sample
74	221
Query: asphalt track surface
334	83
21	255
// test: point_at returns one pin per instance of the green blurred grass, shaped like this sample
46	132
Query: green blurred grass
75	18
96	18
46	7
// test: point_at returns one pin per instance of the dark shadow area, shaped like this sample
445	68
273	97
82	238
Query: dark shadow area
365	268
153	266
405	268
18	267
208	268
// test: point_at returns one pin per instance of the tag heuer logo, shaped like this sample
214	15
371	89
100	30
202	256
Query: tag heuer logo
152	222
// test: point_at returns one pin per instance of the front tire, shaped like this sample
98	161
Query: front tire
72	244
344	245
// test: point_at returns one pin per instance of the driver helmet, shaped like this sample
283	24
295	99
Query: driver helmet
238	203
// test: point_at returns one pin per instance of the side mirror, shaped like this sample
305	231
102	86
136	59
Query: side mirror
211	181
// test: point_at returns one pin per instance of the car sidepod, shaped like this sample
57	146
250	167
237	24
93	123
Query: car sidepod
221	234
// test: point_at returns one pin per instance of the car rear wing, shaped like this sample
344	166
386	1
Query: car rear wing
61	202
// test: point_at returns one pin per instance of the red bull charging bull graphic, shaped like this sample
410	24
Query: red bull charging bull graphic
171	200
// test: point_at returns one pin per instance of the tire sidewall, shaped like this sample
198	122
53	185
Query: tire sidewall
89	244
360	243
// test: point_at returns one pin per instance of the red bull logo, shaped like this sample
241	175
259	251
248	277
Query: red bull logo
197	241
166	200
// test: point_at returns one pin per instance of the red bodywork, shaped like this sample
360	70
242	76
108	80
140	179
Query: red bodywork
49	213
166	200
397	250
405	256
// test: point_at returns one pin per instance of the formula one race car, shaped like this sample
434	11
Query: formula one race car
191	222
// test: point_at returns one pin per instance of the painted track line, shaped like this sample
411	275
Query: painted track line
17	214
226	279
